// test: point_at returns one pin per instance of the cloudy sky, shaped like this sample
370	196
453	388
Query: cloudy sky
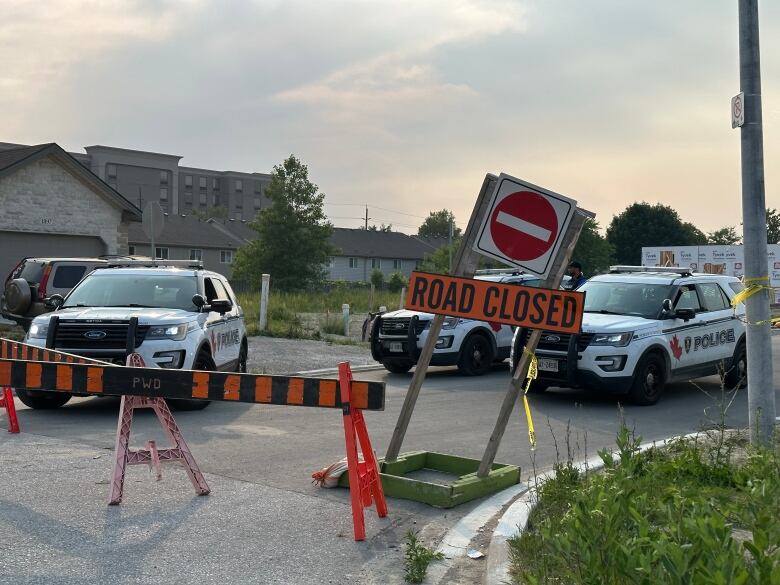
405	104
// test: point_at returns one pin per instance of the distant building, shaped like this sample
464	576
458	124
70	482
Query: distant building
143	176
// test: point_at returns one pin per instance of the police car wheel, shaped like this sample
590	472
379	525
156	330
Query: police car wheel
42	400
649	380
242	357
202	362
476	357
397	366
736	375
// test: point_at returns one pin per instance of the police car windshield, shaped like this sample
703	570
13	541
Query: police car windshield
625	298
159	291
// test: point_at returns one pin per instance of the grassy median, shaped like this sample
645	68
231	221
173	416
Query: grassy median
704	510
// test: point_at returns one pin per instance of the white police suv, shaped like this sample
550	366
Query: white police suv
397	337
188	318
642	328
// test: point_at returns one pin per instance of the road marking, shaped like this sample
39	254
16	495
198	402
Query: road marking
521	225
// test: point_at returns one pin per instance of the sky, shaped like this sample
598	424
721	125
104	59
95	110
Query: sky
405	105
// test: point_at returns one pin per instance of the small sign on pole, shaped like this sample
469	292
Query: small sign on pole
524	225
738	110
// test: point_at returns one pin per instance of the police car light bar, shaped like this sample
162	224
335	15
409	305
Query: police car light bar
157	263
658	269
512	271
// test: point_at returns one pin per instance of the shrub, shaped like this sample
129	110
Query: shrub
378	279
396	282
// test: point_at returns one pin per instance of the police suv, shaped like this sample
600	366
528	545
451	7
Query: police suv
642	328
188	318
397	337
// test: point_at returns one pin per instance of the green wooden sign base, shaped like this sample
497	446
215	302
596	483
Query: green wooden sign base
456	478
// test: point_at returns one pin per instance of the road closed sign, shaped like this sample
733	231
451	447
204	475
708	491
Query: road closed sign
524	225
510	304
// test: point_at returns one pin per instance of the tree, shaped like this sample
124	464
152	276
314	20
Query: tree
643	224
437	225
593	250
382	228
293	234
378	279
772	226
396	281
439	261
725	236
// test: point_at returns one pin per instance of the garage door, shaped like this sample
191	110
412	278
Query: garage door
16	245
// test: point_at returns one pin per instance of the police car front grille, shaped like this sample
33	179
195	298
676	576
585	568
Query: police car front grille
552	341
73	335
400	327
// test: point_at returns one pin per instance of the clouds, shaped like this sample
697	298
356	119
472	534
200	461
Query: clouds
406	104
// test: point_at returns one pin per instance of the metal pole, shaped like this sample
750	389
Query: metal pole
449	247
761	395
402	299
345	315
266	281
465	264
518	376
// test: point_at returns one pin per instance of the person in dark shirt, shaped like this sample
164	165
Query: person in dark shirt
577	277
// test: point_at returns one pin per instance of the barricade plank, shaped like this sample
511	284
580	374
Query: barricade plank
89	378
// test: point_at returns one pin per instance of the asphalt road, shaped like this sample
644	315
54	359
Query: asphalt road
265	522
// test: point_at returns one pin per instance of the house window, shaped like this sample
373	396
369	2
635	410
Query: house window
376	263
188	181
239	185
111	171
202	182
215	184
397	264
196	254
258	187
213	199
161	253
226	256
258	203
202	198
353	262
163	193
332	263
188	198
163	177
131	250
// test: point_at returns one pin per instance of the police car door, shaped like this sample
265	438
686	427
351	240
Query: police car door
230	343
718	339
215	323
681	335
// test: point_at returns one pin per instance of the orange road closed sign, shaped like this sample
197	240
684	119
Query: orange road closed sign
523	306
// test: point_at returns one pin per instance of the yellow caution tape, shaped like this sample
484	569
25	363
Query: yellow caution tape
533	372
754	286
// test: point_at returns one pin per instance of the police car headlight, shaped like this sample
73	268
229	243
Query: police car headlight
450	323
174	332
616	339
38	330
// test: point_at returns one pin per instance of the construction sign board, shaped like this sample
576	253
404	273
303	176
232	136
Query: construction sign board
524	225
510	304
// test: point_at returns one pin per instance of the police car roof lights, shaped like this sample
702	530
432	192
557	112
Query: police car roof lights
682	271
156	263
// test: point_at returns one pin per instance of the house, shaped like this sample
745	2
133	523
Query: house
52	205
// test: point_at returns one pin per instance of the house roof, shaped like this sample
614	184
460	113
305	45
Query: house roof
13	159
376	244
188	231
238	229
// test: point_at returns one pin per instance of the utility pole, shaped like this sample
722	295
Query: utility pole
449	247
366	217
761	393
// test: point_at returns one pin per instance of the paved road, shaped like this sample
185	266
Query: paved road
265	522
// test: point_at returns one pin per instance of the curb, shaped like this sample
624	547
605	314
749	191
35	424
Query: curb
334	371
515	518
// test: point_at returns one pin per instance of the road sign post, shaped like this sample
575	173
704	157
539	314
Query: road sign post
153	222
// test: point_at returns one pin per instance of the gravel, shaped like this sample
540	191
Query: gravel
271	355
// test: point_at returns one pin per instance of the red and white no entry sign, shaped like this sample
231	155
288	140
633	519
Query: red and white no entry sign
524	224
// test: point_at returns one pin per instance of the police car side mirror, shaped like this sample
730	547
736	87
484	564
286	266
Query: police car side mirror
54	302
221	306
685	314
199	301
667	306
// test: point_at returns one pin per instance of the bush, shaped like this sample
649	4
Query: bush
378	279
396	282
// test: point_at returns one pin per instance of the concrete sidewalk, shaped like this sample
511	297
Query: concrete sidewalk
55	526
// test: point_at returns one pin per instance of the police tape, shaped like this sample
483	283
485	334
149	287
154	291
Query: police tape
533	373
754	286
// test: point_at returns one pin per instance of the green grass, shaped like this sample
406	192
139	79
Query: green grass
13	332
417	557
701	511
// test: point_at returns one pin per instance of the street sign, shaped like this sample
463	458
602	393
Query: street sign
153	220
482	300
738	110
524	225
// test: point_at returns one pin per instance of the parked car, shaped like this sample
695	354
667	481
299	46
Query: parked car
642	328
188	318
34	280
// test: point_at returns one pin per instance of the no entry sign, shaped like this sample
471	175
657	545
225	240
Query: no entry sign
524	225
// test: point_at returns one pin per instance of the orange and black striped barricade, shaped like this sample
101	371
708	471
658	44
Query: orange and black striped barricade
365	486
7	402
123	456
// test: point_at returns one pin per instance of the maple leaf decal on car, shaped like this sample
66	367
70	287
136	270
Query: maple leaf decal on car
676	348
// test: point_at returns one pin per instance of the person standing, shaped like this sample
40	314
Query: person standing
577	277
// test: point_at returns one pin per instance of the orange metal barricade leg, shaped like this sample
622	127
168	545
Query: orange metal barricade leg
7	402
151	456
365	486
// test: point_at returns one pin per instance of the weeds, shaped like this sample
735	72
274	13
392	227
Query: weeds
417	557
